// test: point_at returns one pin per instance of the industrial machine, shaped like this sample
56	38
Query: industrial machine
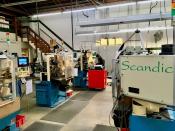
23	77
148	77
143	89
23	67
51	90
89	67
9	102
81	68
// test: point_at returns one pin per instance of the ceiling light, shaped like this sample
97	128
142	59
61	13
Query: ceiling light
125	31
48	14
128	4
80	10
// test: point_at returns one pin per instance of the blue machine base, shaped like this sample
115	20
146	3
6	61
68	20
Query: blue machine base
80	80
6	121
48	94
13	127
139	123
61	100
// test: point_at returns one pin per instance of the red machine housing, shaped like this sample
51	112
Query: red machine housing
97	79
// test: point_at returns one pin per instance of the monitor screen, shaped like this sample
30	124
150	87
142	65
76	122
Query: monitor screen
23	61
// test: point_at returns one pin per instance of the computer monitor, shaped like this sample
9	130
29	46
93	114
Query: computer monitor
23	61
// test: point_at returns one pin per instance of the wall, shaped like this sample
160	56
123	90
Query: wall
61	24
12	47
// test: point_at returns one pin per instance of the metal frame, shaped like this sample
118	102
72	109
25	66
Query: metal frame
12	68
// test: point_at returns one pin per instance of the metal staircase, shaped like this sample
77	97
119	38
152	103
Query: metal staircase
35	40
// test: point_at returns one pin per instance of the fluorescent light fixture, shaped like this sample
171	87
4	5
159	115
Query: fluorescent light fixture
118	5
48	14
101	7
125	31
65	12
79	10
129	4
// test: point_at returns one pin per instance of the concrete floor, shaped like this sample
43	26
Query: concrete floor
96	112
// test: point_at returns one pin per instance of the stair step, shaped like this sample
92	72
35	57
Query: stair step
32	45
44	49
36	41
25	39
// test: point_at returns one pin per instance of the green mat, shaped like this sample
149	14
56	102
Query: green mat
104	128
66	112
84	96
40	126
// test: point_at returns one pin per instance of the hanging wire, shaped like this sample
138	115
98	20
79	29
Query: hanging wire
72	24
152	6
166	24
37	12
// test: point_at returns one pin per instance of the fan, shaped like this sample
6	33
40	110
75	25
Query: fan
158	36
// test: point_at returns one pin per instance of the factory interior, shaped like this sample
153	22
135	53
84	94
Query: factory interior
87	65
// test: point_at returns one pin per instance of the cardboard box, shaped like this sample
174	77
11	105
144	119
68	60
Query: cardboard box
139	110
53	43
8	107
5	91
145	107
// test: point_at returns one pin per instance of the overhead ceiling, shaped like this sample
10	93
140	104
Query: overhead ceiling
29	7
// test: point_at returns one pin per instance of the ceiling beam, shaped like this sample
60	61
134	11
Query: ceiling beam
7	14
21	3
65	5
15	10
51	9
92	2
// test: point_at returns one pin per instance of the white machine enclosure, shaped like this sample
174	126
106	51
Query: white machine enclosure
149	77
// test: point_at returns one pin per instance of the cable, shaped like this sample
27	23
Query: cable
166	23
150	11
122	46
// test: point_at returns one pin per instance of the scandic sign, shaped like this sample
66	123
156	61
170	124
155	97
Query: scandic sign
157	68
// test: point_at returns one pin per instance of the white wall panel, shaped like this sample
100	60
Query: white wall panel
61	24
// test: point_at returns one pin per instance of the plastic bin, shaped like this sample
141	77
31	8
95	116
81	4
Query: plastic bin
20	120
69	93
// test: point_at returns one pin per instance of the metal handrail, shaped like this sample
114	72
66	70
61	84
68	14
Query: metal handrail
32	34
53	33
50	37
